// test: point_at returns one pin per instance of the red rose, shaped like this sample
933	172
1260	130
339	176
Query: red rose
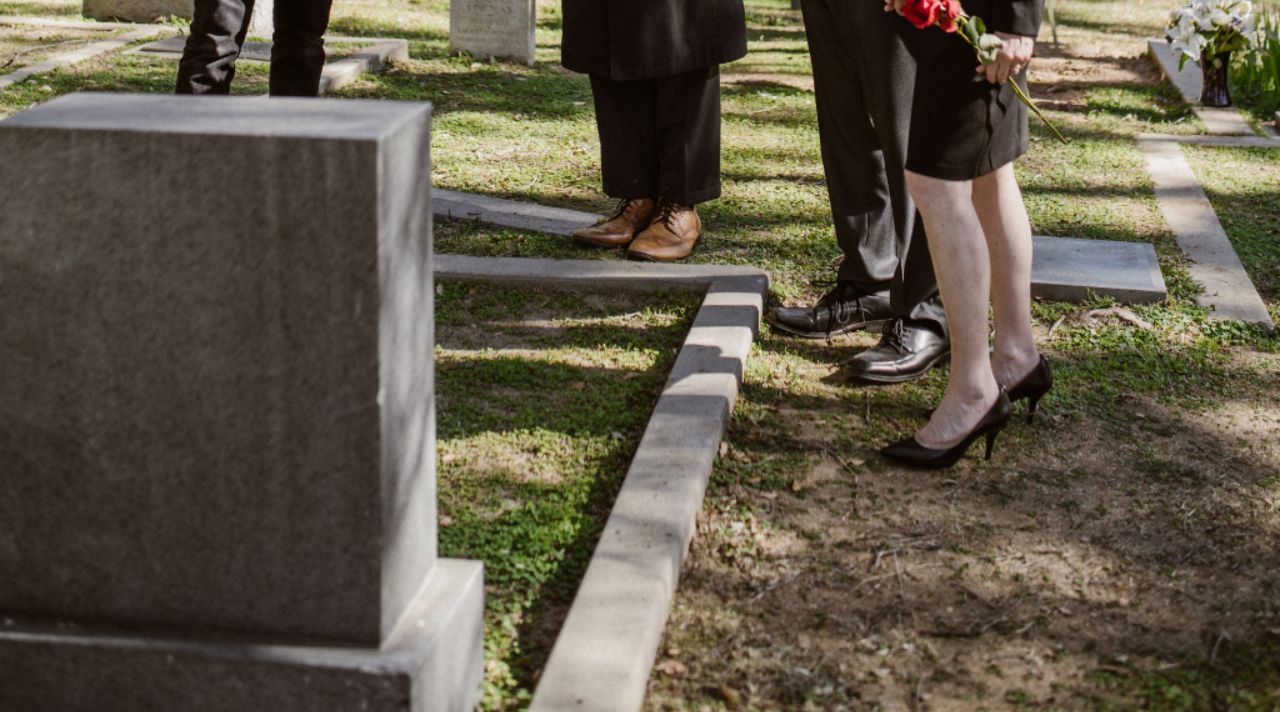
948	13
922	13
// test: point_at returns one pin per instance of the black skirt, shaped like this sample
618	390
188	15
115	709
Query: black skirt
962	126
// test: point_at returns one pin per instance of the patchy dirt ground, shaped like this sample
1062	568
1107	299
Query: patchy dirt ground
1087	554
1116	555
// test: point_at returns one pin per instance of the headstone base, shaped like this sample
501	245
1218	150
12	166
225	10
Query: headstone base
433	661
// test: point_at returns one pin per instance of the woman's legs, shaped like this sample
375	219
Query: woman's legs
964	279
998	202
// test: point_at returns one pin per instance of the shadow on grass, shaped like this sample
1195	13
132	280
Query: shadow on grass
537	94
536	525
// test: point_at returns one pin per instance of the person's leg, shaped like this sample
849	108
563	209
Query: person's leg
688	126
854	166
852	157
208	63
629	159
1000	209
626	119
915	337
964	276
297	49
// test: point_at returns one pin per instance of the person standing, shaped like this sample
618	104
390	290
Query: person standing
218	30
655	78
966	132
864	78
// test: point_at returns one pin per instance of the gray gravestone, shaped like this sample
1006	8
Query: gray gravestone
217	415
1073	269
493	28
260	25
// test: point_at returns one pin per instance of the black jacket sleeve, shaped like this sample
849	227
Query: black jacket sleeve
1016	17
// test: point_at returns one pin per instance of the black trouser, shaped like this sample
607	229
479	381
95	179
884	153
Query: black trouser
864	79
661	137
217	34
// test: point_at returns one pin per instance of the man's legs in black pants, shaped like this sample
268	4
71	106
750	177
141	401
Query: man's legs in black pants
660	154
217	34
864	80
660	137
218	29
297	49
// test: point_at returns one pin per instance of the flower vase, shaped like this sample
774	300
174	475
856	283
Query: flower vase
1216	92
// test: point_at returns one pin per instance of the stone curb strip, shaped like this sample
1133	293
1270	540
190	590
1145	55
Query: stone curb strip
1065	269
604	654
87	52
372	59
1228	291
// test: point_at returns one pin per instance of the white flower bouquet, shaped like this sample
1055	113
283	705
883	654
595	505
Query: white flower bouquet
1209	28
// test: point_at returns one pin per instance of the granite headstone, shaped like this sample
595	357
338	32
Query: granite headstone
217	413
493	28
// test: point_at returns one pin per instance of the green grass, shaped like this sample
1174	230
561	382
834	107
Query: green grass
1244	678
542	398
538	423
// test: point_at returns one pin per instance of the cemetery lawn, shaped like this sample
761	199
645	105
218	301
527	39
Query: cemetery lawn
1119	554
542	397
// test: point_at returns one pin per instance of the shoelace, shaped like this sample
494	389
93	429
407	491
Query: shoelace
666	211
623	206
896	335
842	310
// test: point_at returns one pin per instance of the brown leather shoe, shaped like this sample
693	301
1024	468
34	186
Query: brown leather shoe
632	216
672	235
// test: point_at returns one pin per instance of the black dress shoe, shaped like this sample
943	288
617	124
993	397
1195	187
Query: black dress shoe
839	311
905	353
1033	387
911	452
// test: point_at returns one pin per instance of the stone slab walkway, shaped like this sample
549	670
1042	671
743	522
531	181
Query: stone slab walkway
1228	291
1064	269
607	647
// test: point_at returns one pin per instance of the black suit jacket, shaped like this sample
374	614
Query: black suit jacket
625	40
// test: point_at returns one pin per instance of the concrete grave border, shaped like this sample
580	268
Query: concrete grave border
1215	266
606	650
89	51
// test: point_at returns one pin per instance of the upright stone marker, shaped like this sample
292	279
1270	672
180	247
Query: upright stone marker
217	431
493	28
260	24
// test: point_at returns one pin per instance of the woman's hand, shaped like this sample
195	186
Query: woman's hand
1010	59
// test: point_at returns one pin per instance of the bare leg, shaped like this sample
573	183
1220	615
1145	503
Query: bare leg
964	277
998	203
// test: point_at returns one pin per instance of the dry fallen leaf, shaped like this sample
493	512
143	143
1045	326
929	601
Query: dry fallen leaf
671	667
732	699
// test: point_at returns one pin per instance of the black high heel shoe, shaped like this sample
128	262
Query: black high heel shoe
910	452
1033	387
